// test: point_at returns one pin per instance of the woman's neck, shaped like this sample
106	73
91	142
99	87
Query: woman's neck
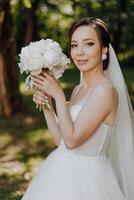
93	77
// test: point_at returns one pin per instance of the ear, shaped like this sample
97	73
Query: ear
104	50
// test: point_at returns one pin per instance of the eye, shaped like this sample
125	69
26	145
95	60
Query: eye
73	45
89	44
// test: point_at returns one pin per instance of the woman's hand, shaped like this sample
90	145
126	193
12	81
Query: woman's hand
39	97
47	84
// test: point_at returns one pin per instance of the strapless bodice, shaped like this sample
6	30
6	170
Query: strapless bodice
97	144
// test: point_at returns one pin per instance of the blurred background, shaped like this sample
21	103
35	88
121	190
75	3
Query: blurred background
24	138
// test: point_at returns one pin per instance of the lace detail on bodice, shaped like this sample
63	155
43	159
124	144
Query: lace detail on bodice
97	144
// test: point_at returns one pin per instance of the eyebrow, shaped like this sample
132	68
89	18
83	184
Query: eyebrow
84	39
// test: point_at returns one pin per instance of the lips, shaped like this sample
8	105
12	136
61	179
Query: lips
81	61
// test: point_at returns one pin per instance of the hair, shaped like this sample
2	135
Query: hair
101	29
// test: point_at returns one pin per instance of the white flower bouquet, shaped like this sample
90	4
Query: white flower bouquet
43	54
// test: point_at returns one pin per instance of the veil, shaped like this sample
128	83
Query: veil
121	147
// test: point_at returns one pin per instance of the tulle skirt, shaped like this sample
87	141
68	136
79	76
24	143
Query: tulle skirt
69	176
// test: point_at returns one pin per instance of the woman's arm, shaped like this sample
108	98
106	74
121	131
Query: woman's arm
53	126
92	114
50	116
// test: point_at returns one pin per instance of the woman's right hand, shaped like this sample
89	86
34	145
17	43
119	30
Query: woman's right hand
40	97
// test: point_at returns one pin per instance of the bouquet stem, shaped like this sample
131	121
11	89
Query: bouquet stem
44	106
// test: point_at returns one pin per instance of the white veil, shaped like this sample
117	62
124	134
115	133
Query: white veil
121	148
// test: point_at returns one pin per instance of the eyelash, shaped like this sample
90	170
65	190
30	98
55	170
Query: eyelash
90	44
73	45
87	44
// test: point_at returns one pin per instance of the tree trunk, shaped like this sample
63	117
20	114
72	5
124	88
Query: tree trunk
10	98
31	23
121	21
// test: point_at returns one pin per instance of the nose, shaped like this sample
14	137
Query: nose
80	50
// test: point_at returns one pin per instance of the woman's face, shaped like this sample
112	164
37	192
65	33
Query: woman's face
86	50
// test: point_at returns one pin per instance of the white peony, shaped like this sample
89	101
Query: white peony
43	54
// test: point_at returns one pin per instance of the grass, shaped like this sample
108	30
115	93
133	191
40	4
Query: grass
25	141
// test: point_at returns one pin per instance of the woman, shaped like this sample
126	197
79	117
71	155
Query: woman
92	159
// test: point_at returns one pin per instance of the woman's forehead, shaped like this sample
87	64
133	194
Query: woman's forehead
84	32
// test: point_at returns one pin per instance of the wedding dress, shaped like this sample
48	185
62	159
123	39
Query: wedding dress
99	169
84	173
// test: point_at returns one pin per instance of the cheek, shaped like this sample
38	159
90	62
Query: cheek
95	53
73	54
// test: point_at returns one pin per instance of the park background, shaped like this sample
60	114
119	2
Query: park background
24	138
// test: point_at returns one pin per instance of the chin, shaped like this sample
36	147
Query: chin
81	67
84	68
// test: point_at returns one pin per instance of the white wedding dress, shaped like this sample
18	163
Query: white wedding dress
84	173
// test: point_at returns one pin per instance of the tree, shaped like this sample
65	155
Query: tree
31	23
121	22
10	98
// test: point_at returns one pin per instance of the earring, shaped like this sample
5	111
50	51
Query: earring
104	56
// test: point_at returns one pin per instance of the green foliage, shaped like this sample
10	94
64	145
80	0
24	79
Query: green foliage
55	17
25	140
25	143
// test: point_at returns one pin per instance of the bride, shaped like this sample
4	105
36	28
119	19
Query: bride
94	158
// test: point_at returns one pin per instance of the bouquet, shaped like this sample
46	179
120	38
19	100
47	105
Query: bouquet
43	54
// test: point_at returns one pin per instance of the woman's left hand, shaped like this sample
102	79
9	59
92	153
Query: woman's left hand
48	84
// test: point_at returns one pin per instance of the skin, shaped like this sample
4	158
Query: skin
86	53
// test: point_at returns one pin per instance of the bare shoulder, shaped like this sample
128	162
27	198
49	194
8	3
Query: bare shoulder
108	91
75	89
106	88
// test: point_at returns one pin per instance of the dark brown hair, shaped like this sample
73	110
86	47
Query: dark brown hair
101	29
